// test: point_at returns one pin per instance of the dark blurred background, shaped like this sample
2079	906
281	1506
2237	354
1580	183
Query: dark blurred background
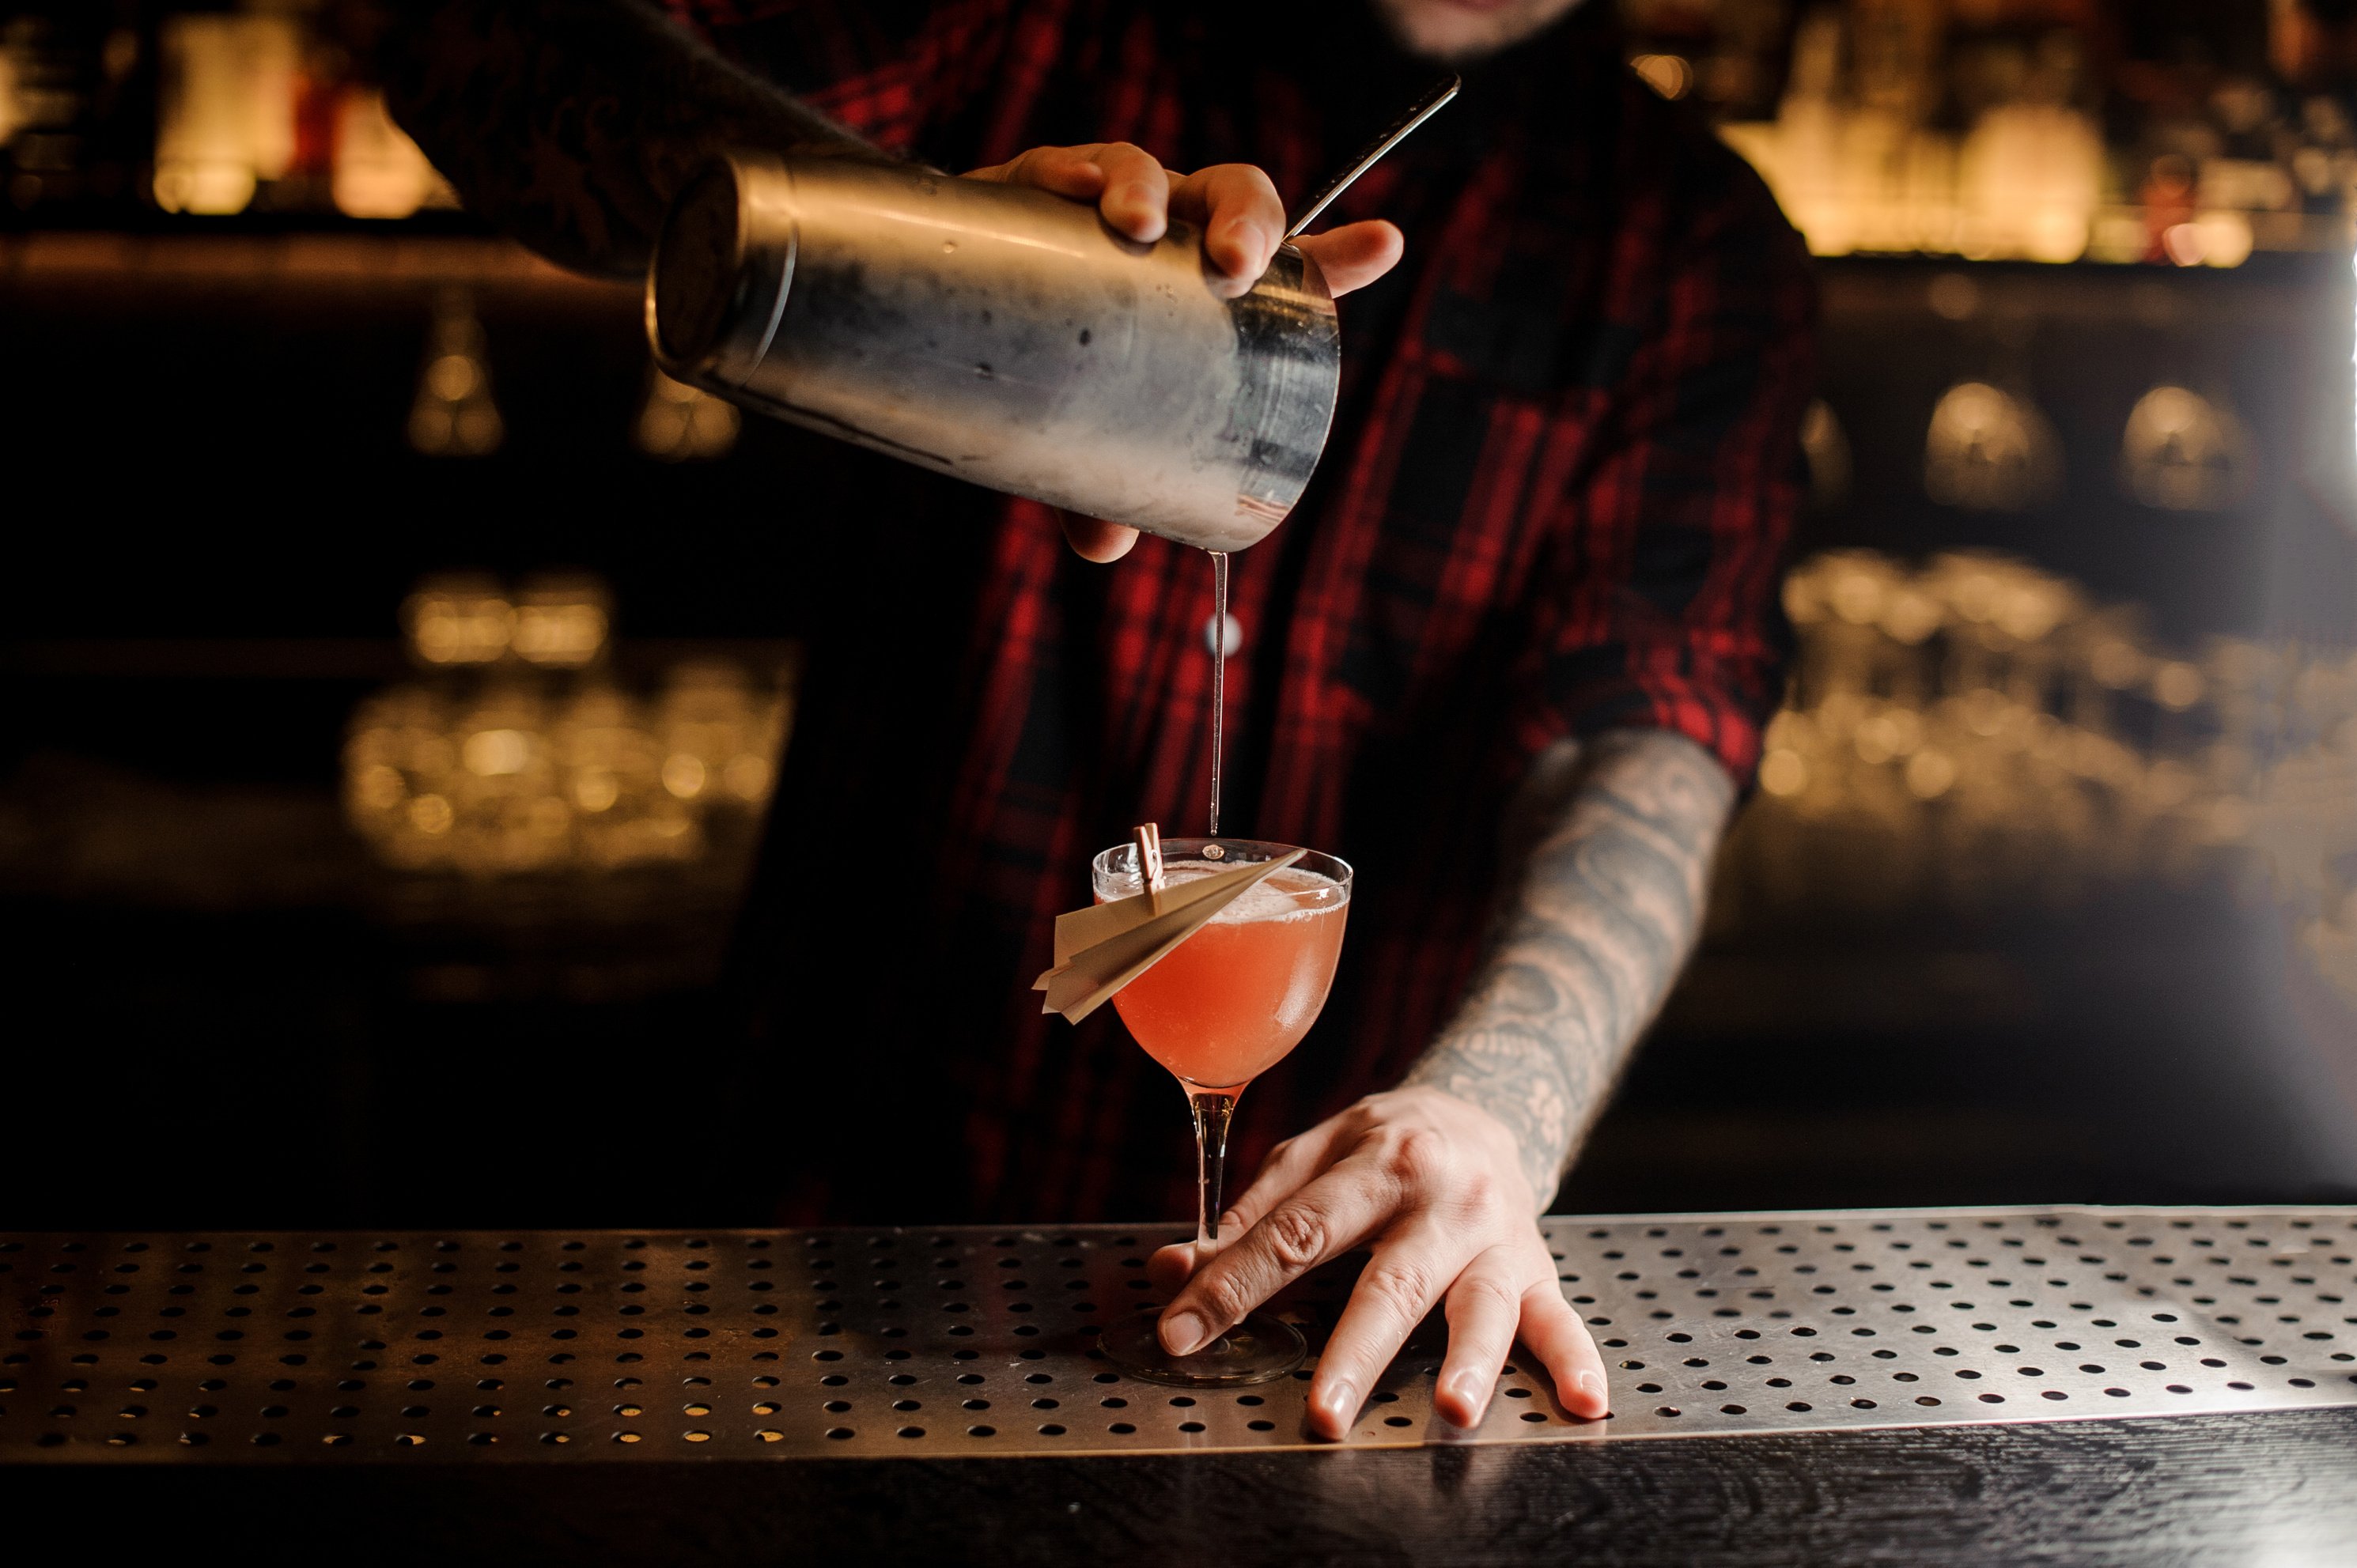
395	666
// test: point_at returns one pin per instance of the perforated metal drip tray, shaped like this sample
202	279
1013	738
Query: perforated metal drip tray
671	1346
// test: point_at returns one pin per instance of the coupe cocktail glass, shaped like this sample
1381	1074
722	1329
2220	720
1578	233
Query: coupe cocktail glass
1217	1010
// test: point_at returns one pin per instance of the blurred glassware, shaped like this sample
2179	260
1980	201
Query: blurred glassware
1977	732
719	742
1990	450
517	758
505	814
2183	451
453	414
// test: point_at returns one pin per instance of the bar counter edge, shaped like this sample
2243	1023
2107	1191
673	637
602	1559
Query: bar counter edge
2278	1488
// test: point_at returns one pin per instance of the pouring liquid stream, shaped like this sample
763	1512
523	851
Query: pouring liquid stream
1219	674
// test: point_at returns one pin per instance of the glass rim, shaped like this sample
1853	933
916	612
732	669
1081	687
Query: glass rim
1249	850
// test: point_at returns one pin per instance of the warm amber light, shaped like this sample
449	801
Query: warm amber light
453	416
2176	686
683	775
225	117
1672	76
1928	774
681	424
379	171
1861	159
458	620
1783	773
494	752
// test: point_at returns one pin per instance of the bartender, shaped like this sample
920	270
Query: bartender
1511	655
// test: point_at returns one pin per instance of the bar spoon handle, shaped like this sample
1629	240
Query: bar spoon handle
1391	137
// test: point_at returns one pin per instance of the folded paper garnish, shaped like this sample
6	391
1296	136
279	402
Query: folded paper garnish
1101	948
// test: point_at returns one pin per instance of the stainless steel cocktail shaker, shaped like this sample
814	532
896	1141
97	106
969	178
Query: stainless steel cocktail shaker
1002	334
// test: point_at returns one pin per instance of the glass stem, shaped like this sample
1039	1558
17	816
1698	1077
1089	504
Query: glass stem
1212	1111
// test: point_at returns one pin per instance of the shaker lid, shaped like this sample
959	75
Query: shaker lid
710	308
697	259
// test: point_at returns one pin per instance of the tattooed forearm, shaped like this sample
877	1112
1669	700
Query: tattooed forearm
1606	910
570	122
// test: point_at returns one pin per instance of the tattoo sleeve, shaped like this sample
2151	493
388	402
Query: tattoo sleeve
569	123
1620	832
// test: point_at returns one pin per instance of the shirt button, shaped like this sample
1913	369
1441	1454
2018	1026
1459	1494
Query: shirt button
1235	638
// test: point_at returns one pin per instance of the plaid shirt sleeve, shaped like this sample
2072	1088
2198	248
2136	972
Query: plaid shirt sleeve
1663	611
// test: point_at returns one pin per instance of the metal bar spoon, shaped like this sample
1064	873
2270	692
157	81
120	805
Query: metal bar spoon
1391	137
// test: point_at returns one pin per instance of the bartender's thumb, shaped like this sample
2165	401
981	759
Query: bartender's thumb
1354	255
1093	539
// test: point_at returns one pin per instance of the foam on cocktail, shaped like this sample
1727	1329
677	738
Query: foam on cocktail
1290	893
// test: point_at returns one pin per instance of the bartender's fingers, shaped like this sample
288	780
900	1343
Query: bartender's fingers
1398	1287
1242	217
1483	1306
1093	539
1129	185
1316	1225
1289	1167
1553	1332
1171	1266
1354	255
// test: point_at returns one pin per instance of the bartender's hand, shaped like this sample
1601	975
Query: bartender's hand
1432	1186
1242	222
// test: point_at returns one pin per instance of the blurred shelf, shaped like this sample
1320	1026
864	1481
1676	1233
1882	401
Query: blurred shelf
326	658
2092	295
327	260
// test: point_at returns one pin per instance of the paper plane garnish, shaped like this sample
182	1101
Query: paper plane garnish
1101	948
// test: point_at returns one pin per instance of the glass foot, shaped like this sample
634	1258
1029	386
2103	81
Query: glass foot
1260	1349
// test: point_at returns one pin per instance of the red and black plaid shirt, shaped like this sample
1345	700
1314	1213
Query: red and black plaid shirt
1554	503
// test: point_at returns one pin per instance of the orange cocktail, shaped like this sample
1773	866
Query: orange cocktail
1231	1000
1217	1010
